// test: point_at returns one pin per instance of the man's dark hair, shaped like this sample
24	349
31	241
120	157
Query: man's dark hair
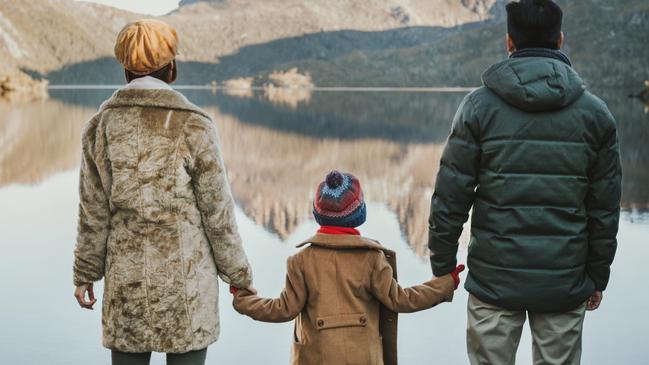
534	23
167	73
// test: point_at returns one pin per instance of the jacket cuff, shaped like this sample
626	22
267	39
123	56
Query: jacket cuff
451	284
81	282
240	279
600	286
81	279
441	268
444	283
241	301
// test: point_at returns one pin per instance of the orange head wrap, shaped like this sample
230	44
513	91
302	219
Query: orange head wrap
146	46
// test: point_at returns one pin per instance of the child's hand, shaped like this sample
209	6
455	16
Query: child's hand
456	275
243	297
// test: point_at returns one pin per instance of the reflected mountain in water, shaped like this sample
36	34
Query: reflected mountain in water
289	97
39	139
633	127
277	153
274	174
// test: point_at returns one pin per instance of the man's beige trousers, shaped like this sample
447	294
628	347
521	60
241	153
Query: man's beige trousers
493	335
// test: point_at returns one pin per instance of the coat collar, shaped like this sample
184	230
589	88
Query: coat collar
156	98
542	52
337	241
147	82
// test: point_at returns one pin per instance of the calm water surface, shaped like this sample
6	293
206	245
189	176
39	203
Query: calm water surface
277	146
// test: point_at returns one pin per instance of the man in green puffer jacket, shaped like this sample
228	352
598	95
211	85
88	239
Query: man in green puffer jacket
537	157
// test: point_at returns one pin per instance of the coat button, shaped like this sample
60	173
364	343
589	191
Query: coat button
320	323
363	320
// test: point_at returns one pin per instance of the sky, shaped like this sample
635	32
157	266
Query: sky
150	7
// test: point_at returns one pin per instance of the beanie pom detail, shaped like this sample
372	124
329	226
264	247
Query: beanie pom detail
334	179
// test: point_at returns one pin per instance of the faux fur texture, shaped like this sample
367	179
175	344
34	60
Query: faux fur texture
156	220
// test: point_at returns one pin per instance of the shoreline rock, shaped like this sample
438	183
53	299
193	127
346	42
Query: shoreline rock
241	87
16	86
289	88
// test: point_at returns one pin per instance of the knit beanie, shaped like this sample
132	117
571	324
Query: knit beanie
339	201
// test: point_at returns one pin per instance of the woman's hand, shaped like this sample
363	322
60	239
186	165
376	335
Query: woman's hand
80	294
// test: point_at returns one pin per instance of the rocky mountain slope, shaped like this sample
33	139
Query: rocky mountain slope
605	39
45	35
337	42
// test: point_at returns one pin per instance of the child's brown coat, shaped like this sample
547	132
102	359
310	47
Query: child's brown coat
344	293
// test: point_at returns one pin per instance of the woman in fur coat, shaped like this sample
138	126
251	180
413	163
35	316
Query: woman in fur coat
156	216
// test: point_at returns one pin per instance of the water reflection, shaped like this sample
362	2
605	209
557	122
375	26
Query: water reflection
289	97
275	153
277	148
274	174
39	139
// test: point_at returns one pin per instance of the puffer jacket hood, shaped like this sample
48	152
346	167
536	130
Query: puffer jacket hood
534	84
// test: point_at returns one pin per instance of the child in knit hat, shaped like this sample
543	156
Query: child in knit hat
341	289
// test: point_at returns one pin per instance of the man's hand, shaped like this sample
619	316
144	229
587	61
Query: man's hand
80	294
594	301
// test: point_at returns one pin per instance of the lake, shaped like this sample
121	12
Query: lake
277	145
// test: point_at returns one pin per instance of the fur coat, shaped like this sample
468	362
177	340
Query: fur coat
156	221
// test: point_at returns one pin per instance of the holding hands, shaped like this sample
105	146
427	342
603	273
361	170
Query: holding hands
456	275
251	289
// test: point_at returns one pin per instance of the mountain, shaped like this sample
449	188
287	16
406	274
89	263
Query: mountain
41	35
70	42
335	42
605	39
45	35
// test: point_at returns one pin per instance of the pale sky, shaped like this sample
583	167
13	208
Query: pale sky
151	7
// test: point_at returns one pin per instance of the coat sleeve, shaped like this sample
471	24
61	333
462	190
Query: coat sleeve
603	207
282	309
454	189
216	205
94	215
405	300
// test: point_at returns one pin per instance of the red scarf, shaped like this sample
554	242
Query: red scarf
338	230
